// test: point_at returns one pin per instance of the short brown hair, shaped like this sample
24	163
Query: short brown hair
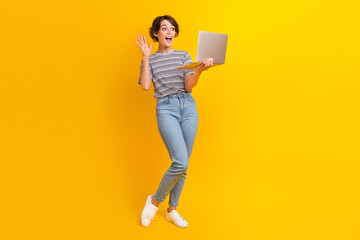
156	26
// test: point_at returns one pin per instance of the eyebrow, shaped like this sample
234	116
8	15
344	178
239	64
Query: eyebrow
166	25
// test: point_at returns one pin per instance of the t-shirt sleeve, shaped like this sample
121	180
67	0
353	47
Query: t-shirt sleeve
141	65
187	60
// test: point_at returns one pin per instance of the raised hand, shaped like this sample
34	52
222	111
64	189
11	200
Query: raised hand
143	45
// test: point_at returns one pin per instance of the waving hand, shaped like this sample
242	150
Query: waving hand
143	45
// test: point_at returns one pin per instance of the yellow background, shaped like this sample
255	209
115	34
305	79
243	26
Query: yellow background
277	149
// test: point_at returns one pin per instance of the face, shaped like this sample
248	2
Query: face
166	33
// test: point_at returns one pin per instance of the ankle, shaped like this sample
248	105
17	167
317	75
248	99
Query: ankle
155	202
170	209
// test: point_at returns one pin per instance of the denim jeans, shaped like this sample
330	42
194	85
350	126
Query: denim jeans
177	120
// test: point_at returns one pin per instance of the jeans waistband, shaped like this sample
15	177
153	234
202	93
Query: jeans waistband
185	94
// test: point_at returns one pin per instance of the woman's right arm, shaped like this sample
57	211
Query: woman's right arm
145	79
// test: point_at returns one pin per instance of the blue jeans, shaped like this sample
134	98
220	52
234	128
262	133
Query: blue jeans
177	120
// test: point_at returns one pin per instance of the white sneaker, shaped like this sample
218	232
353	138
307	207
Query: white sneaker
175	218
148	212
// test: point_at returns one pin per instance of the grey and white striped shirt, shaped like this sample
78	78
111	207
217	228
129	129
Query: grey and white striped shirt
166	79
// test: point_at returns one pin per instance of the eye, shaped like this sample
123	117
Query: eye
163	29
173	29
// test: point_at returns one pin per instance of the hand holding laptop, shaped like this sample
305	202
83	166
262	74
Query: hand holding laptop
205	66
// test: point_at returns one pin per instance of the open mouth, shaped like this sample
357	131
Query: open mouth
168	39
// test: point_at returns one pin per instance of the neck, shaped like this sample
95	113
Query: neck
164	49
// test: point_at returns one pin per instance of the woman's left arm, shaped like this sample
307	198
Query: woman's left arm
192	79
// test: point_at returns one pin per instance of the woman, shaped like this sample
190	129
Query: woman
176	111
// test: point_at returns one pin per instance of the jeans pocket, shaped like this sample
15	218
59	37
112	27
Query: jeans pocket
163	100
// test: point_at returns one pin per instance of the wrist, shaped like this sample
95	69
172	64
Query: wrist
197	71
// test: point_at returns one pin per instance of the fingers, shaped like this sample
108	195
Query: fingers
144	40
208	62
140	40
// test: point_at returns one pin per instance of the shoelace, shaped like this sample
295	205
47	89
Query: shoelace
178	216
151	213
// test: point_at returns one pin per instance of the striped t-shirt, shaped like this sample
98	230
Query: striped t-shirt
165	77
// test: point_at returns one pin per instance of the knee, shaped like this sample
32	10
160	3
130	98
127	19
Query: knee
181	167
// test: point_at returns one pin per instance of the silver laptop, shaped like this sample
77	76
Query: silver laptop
209	45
